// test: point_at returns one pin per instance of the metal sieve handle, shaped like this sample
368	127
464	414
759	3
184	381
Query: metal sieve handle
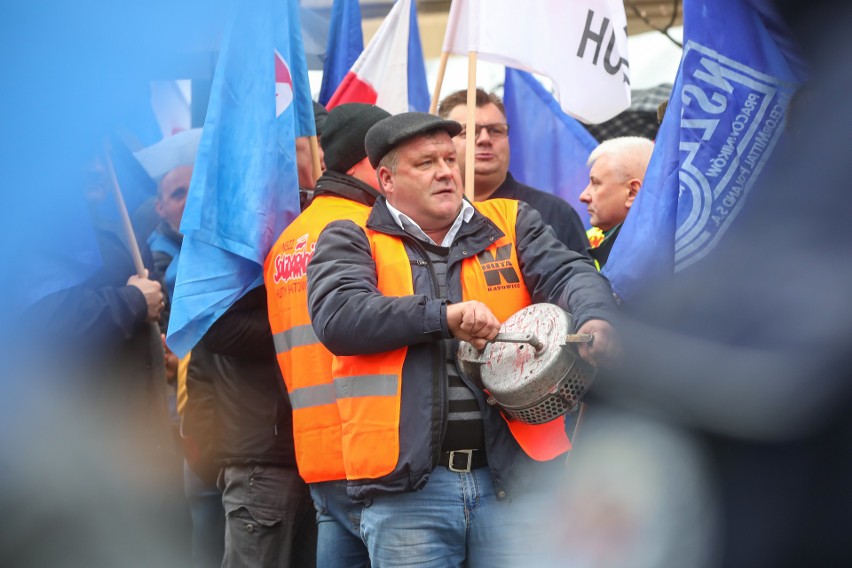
581	338
521	338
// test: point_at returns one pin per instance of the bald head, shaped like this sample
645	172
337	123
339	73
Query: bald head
171	195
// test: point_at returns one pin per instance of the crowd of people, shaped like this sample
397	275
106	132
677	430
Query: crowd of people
324	420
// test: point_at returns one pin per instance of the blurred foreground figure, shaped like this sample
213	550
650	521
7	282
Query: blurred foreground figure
92	470
748	350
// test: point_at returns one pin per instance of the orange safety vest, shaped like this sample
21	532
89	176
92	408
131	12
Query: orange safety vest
368	386
305	363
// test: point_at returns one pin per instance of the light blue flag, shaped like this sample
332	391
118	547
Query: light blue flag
345	44
548	148
725	116
244	189
291	69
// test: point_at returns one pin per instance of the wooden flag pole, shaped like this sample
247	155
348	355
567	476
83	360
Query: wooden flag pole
315	158
157	349
129	233
436	94
470	127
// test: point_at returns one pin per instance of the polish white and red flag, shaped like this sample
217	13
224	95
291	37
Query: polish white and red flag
390	72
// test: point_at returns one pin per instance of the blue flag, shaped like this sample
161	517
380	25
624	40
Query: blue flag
244	189
725	116
345	44
549	149
291	71
418	90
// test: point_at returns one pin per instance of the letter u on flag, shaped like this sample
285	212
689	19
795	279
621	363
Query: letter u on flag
581	45
724	118
390	72
244	188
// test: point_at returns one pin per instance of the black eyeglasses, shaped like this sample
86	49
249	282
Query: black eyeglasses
496	130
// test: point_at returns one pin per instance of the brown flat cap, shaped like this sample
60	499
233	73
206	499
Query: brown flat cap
386	134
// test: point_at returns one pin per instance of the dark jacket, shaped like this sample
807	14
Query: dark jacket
350	316
253	419
99	331
95	344
555	212
342	185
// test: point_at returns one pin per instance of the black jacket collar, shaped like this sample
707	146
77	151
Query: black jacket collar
342	185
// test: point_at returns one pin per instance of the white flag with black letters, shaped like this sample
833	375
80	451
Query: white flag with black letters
581	45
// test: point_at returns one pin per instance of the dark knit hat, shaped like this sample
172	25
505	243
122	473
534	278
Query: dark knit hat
320	114
343	134
388	133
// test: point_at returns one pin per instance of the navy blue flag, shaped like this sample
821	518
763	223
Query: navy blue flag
345	44
244	188
725	116
548	148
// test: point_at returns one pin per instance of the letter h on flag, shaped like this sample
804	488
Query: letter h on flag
724	118
581	45
244	188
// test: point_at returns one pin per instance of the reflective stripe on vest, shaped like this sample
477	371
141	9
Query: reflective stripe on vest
297	336
371	423
305	363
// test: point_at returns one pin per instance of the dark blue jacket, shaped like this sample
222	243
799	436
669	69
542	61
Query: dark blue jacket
351	316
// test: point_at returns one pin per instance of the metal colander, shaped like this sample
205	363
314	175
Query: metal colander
531	370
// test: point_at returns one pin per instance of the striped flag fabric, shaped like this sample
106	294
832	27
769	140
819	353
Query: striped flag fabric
390	72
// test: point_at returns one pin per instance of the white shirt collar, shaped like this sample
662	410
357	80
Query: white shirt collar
408	225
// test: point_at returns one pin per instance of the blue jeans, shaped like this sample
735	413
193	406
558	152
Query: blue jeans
208	520
455	520
339	543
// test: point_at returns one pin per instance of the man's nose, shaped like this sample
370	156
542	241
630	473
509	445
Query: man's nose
444	169
586	196
482	136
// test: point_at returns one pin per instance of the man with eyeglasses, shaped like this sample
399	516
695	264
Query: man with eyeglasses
492	178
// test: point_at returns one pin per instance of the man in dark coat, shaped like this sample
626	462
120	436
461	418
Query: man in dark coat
493	180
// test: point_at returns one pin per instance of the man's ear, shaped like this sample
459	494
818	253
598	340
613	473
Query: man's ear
158	207
385	180
632	189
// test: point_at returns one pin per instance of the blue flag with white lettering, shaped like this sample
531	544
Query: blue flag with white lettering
345	44
725	116
548	148
244	188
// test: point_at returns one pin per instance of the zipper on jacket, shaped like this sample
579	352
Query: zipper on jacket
439	364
